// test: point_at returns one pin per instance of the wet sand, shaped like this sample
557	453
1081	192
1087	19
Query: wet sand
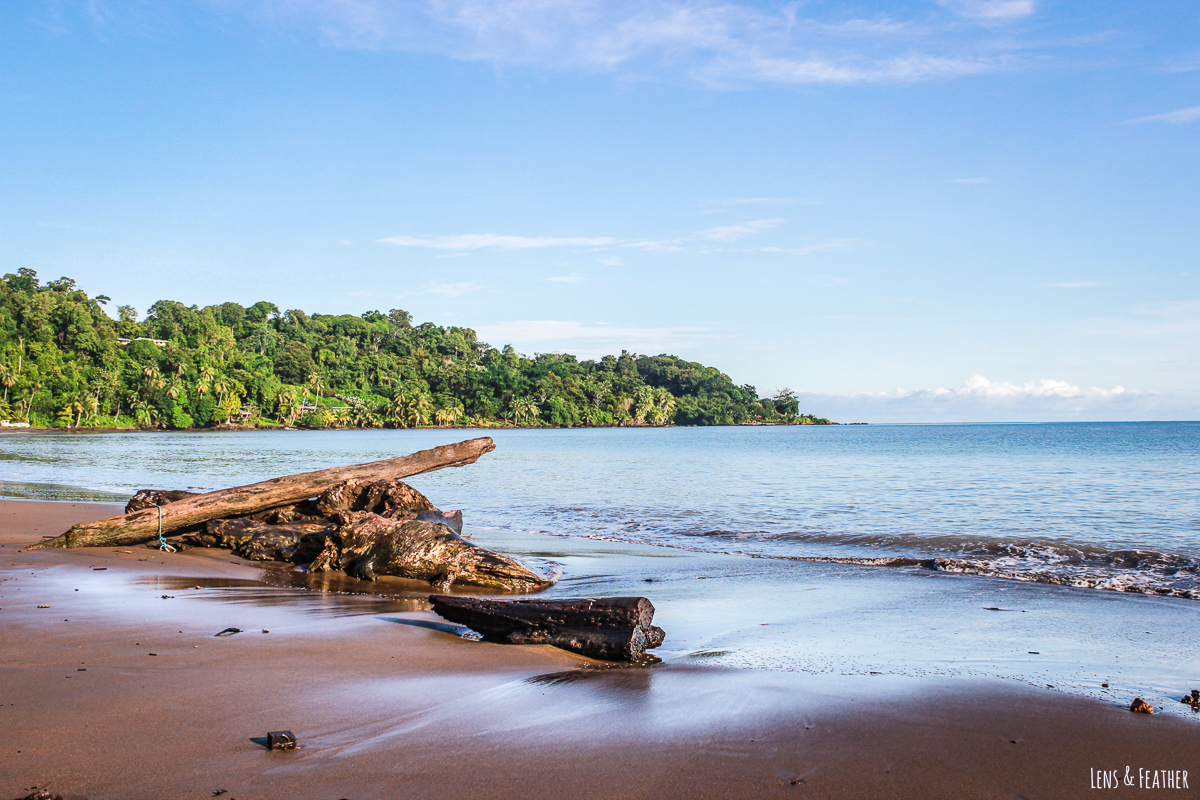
389	701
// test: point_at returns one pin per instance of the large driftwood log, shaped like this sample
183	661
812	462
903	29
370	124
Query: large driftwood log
367	545
608	628
140	526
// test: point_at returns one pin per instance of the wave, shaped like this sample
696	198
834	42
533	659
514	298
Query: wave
1090	566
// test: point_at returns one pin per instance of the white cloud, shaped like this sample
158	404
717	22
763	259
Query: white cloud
611	261
565	279
445	289
591	340
716	42
991	10
1182	115
966	180
762	200
978	399
657	245
835	244
730	233
476	241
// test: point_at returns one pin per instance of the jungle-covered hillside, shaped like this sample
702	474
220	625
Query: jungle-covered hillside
65	362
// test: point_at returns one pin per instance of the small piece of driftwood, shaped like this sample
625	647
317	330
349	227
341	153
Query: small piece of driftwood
606	628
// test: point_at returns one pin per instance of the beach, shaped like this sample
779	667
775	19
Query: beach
388	700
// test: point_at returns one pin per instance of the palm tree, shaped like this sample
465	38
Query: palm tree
144	413
287	408
90	405
317	385
621	406
174	388
364	416
418	409
644	404
204	379
525	409
664	406
220	385
8	377
151	379
394	411
75	407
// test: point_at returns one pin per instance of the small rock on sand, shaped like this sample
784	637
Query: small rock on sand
1140	706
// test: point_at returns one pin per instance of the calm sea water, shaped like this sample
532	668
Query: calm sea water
1102	505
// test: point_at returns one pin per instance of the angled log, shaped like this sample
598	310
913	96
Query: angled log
367	545
607	628
141	526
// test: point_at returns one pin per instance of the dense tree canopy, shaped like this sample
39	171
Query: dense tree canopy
65	362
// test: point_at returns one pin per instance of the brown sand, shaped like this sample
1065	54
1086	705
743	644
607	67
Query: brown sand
392	702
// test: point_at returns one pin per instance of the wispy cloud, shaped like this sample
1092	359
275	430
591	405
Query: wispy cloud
730	233
720	43
657	245
1182	115
991	10
706	240
476	241
835	244
771	201
444	289
590	340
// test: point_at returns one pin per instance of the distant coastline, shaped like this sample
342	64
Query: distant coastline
66	364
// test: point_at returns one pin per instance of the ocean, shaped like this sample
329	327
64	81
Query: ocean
1103	506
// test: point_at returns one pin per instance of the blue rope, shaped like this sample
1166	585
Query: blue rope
162	542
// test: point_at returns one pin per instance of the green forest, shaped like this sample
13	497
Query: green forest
66	363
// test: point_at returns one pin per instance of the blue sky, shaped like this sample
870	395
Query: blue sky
910	211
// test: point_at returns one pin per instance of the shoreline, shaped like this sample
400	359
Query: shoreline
389	700
232	428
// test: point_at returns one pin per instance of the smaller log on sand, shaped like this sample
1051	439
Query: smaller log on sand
140	526
607	628
367	545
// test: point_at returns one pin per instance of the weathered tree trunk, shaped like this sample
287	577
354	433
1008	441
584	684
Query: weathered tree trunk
607	628
367	545
141	526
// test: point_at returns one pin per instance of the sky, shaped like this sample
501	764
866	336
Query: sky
951	210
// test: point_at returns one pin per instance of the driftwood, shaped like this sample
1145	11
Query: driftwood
609	628
297	542
367	545
140	526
